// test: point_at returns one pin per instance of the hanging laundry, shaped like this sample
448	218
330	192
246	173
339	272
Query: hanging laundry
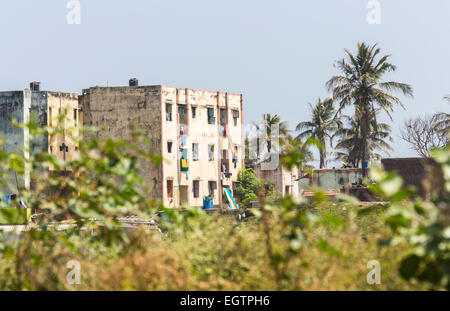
184	129
210	152
235	162
183	140
224	168
184	165
7	198
22	204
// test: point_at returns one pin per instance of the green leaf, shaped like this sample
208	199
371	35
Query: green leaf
325	247
410	266
391	186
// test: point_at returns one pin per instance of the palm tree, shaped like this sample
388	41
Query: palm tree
348	148
297	153
269	121
442	119
360	85
321	126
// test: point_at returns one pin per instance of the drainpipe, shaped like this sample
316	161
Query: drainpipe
163	143
242	132
219	157
187	136
177	200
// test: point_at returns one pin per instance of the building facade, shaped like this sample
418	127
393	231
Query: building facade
331	179
43	108
423	174
199	134
283	181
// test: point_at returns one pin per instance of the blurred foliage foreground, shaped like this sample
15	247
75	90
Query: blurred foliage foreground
291	245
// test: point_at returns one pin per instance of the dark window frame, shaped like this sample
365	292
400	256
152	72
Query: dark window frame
211	117
223	114
182	113
235	114
196	188
195	155
169	111
169	188
211	152
212	187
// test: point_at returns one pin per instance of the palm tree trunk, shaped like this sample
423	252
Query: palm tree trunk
363	157
322	159
365	129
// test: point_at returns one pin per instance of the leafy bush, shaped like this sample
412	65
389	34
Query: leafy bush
424	225
248	187
289	245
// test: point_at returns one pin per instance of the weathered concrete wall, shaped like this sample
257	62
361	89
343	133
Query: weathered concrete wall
38	114
12	108
284	181
67	105
424	174
23	106
115	110
332	179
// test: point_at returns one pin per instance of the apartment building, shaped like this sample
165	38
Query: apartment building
43	107
199	134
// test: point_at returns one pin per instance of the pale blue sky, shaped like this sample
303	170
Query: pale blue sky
279	54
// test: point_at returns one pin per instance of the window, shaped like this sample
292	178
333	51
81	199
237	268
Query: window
212	186
50	116
170	188
195	152
223	116
211	117
225	165
225	154
51	149
235	117
182	114
169	146
196	188
168	112
286	190
211	152
194	112
75	117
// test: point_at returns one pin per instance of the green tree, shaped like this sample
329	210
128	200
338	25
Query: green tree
321	127
349	142
269	121
361	86
442	119
297	153
422	225
247	187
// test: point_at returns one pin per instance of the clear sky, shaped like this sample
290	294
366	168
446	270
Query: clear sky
279	54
